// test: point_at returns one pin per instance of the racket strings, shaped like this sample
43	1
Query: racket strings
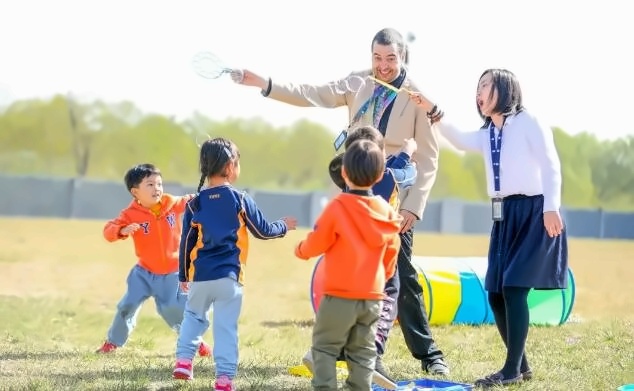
208	65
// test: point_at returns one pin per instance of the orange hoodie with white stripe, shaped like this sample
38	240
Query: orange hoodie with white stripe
157	243
358	236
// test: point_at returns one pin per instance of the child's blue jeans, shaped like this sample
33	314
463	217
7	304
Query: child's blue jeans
225	295
142	284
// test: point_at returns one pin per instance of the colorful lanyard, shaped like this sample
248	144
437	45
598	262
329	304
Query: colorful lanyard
496	148
382	94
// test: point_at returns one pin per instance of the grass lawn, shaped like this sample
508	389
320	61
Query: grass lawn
61	281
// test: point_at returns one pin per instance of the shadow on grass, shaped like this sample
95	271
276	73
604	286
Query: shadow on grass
288	323
22	355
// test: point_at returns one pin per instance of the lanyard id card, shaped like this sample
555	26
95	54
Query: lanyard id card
497	213
340	140
497	210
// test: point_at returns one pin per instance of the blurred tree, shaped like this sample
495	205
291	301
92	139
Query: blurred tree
32	138
66	137
474	165
613	173
576	155
453	180
308	152
85	122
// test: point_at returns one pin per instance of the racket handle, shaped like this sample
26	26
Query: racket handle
237	75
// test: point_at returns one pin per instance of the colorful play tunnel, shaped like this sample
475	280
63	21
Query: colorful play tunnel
454	292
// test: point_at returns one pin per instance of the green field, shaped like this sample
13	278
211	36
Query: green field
61	281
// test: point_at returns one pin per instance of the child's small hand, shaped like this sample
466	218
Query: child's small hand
291	222
184	286
417	97
409	146
127	230
421	101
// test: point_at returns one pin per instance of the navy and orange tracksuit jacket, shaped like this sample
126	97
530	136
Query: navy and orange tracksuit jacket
214	243
399	173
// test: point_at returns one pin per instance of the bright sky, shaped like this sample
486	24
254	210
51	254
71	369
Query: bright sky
574	61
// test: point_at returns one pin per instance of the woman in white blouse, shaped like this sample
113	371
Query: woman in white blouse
528	246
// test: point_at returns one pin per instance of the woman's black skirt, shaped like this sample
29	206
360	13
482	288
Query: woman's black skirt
521	254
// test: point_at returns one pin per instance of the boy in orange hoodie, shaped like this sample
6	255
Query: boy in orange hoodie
154	222
358	234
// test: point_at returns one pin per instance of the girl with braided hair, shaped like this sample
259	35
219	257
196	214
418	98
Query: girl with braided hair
214	248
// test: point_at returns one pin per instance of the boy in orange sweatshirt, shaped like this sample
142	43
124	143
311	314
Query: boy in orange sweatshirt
154	222
358	234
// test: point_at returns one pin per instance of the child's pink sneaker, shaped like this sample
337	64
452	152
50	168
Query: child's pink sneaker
107	347
183	370
224	383
204	350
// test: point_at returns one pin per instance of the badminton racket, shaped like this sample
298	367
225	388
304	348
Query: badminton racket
387	85
210	66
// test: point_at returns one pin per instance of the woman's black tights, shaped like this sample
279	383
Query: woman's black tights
510	309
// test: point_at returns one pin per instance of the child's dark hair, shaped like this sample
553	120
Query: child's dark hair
215	154
364	162
369	133
138	173
334	169
365	133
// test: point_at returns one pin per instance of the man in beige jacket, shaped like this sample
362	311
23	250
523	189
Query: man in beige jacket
390	110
